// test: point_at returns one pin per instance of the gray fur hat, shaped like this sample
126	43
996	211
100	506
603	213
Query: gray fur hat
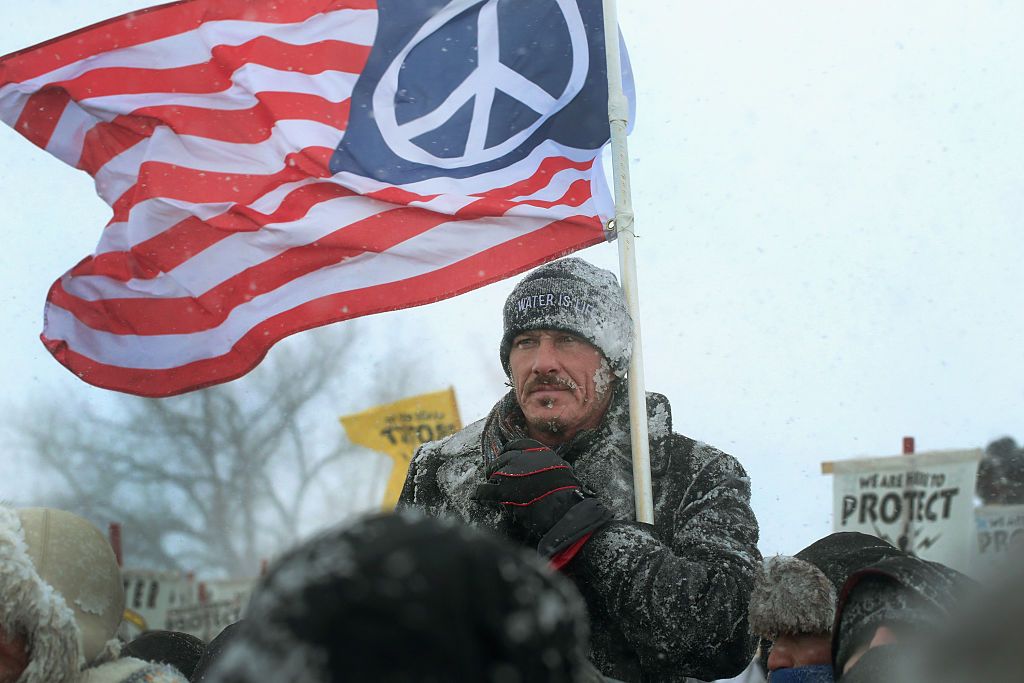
794	595
791	596
574	296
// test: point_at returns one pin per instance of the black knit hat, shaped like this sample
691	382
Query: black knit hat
408	598
795	595
574	296
909	595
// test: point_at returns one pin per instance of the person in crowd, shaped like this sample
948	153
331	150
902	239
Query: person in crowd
402	597
213	651
1001	473
983	638
754	673
61	601
887	611
793	605
180	650
551	467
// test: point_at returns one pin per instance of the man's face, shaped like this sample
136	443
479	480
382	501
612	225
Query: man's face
805	649
13	656
562	383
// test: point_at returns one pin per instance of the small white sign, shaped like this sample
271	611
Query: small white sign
1000	538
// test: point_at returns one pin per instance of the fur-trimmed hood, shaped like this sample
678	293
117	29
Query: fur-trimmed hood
131	670
60	587
791	596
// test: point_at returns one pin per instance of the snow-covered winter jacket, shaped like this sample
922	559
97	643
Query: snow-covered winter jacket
666	601
60	587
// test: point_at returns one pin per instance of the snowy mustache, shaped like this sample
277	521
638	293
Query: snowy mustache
550	381
543	381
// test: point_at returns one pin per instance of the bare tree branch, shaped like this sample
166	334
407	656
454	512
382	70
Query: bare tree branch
216	479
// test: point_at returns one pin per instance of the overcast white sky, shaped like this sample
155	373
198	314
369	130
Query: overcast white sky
831	217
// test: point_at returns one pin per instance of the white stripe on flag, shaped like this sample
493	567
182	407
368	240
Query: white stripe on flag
195	46
69	134
212	156
444	245
556	187
232	255
151	217
242	250
478	184
247	82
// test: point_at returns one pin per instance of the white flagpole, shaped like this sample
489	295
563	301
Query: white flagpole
618	119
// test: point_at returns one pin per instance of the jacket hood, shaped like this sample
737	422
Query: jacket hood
897	590
60	587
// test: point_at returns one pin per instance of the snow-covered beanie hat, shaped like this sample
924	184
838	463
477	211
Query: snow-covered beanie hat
795	595
403	597
60	587
574	296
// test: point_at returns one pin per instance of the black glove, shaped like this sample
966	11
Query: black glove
543	494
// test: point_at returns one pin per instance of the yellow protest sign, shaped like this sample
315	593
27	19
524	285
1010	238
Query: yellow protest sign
396	429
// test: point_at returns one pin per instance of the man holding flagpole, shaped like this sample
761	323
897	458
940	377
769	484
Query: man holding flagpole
275	166
550	467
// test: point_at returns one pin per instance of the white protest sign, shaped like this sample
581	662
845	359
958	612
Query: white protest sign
1000	538
168	600
921	503
205	621
219	604
148	596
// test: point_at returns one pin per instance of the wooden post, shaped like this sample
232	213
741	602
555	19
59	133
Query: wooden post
906	539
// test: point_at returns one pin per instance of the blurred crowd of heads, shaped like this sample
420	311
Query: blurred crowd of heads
853	608
402	597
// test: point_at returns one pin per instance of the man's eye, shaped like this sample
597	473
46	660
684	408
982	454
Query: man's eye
567	339
524	343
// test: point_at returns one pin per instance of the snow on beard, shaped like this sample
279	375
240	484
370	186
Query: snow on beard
603	380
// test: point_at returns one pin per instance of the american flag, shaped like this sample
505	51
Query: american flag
273	166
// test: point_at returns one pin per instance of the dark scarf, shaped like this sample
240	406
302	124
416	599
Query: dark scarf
819	673
506	423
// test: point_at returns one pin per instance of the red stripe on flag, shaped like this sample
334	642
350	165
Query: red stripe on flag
144	260
40	115
182	241
575	195
505	260
189	237
160	180
169	249
178	315
215	75
105	141
538	179
155	23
